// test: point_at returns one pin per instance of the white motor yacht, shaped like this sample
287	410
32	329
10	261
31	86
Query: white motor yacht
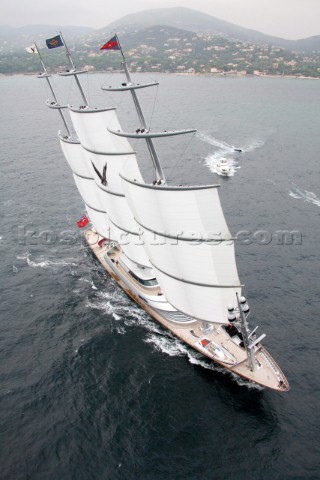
223	167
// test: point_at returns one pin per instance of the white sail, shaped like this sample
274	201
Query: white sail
106	156
113	165
132	245
189	245
83	177
202	303
89	192
106	171
75	156
100	223
195	211
91	126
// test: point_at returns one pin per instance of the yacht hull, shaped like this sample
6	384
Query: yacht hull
216	344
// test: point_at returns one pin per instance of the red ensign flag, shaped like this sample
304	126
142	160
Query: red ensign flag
83	222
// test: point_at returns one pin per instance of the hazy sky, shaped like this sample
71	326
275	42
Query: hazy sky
283	18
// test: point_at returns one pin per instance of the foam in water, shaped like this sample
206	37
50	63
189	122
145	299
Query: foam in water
168	344
298	193
226	151
215	142
105	307
43	263
120	329
23	256
226	147
86	280
117	304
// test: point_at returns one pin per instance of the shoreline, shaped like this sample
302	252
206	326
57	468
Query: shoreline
185	74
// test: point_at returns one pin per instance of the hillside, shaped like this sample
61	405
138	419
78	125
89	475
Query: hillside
199	22
204	45
178	17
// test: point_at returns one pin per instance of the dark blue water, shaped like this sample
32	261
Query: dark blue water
91	387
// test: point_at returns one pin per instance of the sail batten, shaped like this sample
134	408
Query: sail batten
132	248
75	156
198	263
200	302
126	230
177	209
178	235
94	208
82	176
110	192
191	282
108	153
99	222
89	192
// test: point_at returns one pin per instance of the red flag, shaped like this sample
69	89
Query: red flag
112	44
83	222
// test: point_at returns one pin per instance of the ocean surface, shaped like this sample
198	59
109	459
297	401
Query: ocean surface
91	388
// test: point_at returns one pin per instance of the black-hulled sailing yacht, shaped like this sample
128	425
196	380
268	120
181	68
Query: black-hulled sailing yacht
167	246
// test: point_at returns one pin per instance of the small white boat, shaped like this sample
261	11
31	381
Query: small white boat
223	167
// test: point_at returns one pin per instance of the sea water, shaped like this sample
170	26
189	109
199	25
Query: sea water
91	386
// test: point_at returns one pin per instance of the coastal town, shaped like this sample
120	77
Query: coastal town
171	50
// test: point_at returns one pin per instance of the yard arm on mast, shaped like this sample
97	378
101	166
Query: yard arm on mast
160	177
55	104
74	72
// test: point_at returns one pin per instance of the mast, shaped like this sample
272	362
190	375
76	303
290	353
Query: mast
74	72
47	76
154	156
246	337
